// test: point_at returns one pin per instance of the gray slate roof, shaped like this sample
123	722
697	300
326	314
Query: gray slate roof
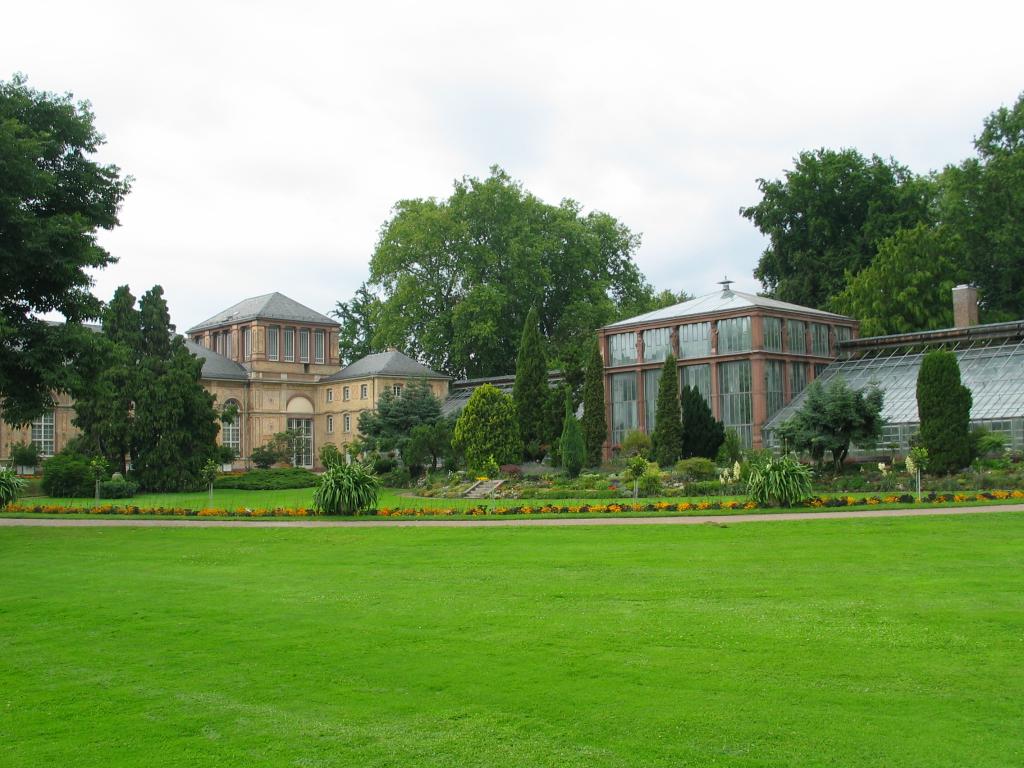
272	306
215	365
390	363
721	301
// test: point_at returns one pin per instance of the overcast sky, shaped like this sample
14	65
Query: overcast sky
269	141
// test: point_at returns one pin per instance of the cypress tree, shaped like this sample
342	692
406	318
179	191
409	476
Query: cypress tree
156	323
573	448
668	426
595	425
944	408
531	387
702	434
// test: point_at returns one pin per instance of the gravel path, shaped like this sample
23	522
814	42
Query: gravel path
497	521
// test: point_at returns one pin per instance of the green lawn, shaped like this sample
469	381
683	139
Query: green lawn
893	642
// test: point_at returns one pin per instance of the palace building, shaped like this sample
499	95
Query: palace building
276	361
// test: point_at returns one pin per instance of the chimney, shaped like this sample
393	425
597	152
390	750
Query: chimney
965	306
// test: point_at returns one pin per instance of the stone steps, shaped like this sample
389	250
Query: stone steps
482	489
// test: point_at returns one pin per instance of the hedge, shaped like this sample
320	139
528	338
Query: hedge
269	479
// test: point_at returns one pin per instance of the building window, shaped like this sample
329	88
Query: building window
303	456
623	387
651	381
819	368
796	338
695	340
346	421
363	391
289	345
247	343
345	394
819	340
797	379
733	335
773	334
735	400
273	336
231	434
330	395
396	390
318	346
41	434
330	424
844	333
698	377
622	348
774	378
304	345
657	344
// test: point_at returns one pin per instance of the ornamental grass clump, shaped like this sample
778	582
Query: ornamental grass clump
779	482
346	490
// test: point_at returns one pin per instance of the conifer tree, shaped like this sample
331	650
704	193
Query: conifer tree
944	407
595	425
668	426
530	391
488	429
573	449
702	434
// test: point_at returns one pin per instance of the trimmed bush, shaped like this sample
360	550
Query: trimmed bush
114	489
696	468
268	479
68	475
635	443
569	493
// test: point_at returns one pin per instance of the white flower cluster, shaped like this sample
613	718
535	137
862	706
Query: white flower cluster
730	476
911	465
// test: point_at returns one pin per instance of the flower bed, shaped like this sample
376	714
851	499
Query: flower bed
707	505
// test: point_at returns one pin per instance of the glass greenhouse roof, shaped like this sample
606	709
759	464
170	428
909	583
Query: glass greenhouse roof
993	369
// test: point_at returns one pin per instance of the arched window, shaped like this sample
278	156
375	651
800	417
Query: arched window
231	433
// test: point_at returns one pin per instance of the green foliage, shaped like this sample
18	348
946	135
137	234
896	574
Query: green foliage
397	415
280	448
554	420
11	486
595	424
696	468
780	482
944	408
429	444
453	280
67	475
573	449
55	199
827	217
490	468
265	456
118	489
703	435
346	489
667	440
530	390
907	286
268	479
208	473
731	449
650	480
832	419
329	455
988	443
24	454
487	428
359	318
635	443
224	454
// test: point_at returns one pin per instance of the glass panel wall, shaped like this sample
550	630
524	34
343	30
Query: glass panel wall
622	348
773	334
695	340
819	339
623	387
699	377
796	338
734	335
843	333
735	399
797	379
651	381
657	344
774	373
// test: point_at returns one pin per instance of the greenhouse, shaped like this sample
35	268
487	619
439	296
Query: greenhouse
991	361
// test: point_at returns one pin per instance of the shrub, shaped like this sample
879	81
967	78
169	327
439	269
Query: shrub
11	487
511	470
114	489
265	456
986	442
383	464
696	468
330	455
25	455
268	479
67	475
399	477
705	488
490	468
650	480
569	493
573	448
731	449
944	405
224	454
488	428
346	489
702	433
635	443
779	482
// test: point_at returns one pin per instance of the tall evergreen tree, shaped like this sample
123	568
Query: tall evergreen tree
571	444
531	386
702	434
668	426
595	425
944	408
157	328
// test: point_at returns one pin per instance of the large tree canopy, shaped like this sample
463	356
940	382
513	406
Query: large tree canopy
53	199
826	218
451	281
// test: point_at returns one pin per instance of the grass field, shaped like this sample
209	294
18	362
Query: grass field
891	642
